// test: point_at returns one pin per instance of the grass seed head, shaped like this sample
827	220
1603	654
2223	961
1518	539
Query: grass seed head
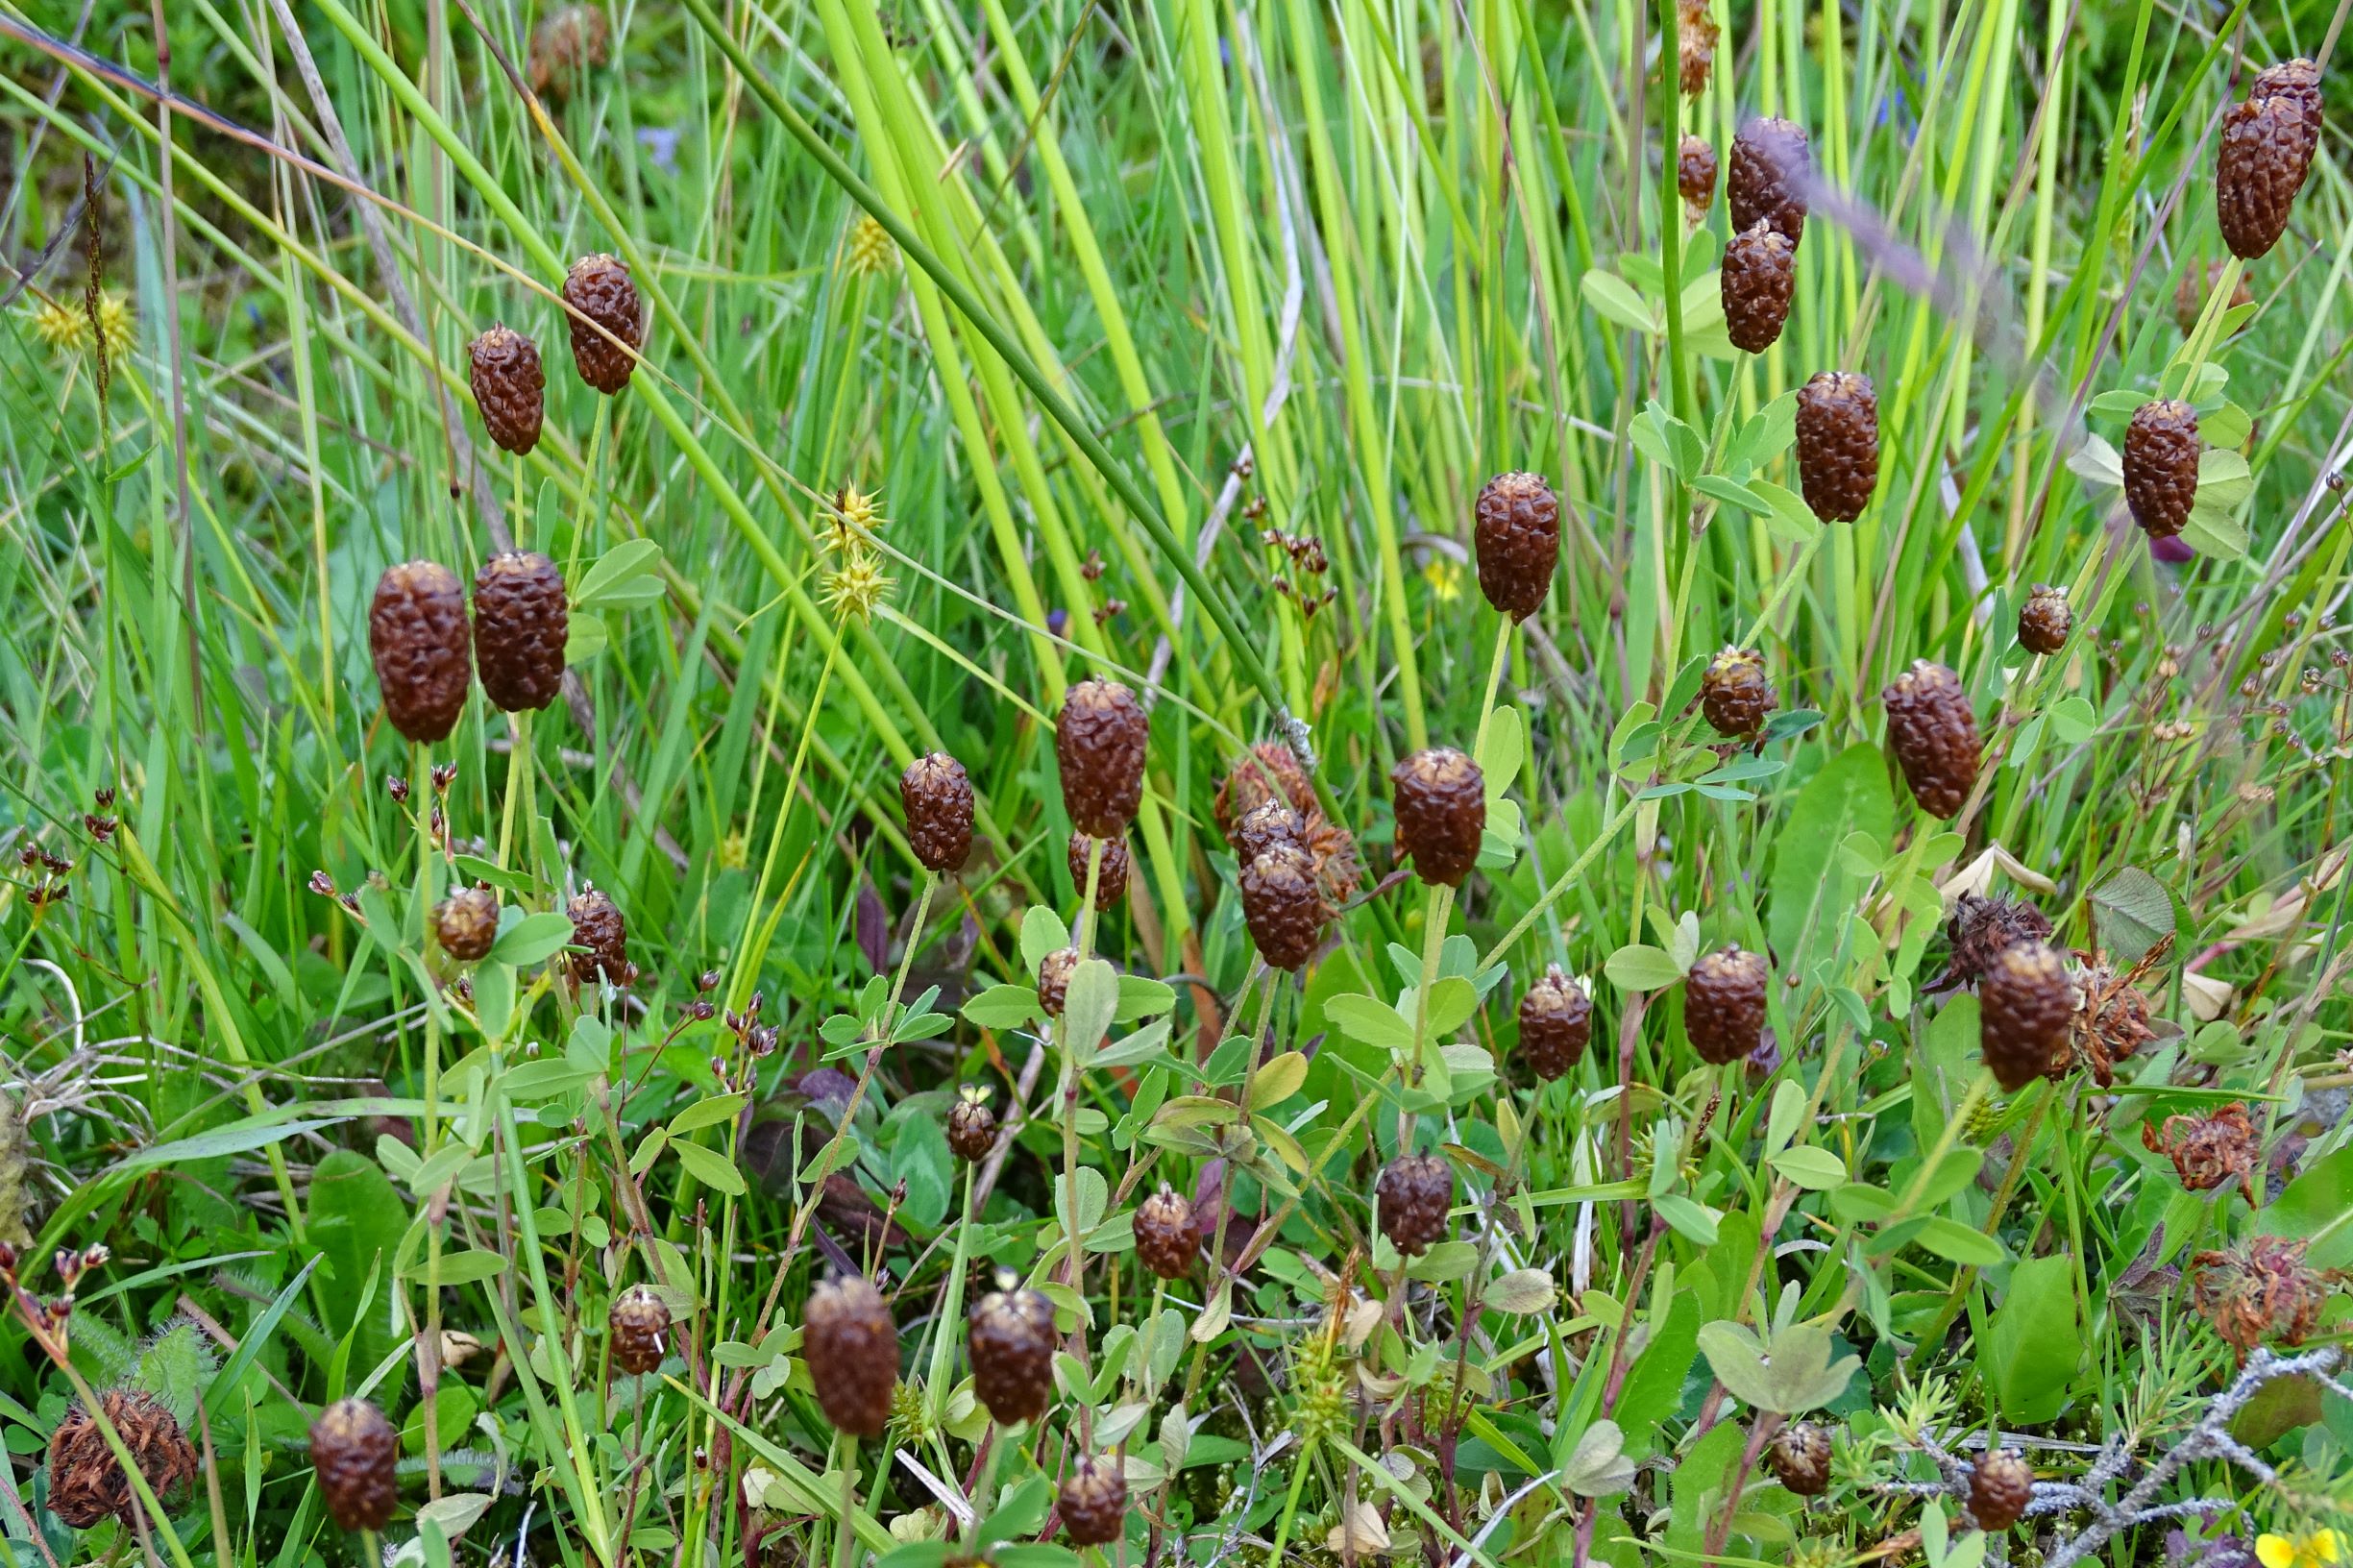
1111	872
1283	905
357	1454
2024	1005
639	1324
521	618
466	924
936	794
1771	168
1724	1004
1734	694
2266	151
2044	621
1166	1239
2000	1486
1011	1341
509	387
1100	743
1416	1193
1838	444
422	647
850	1343
1517	529
1555	1024
600	290
1440	799
2160	462
86	1482
1934	736
1093	1502
1758	279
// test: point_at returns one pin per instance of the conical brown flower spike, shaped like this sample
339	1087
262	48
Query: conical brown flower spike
971	1127
1772	172
357	1454
1416	1193
1111	872
2298	80
1934	736
1093	1502
1283	906
1054	973
1734	694
1099	742
598	926
1695	175
1440	799
1757	280
1838	444
466	924
1724	1005
600	290
2026	1004
851	1346
1555	1022
1268	770
2161	453
1266	824
521	619
1799	1454
1011	1341
1167	1240
508	387
423	649
2044	621
1516	529
87	1483
937	796
1695	45
639	1324
2266	152
2000	1487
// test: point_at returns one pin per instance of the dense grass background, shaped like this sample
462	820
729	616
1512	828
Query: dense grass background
1168	280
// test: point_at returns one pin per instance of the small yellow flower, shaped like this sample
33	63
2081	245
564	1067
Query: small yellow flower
870	251
2314	1549
857	585
1445	578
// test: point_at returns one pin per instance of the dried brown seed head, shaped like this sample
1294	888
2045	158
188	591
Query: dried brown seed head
937	794
522	617
1099	742
1695	45
1758	279
466	924
971	1126
2024	1005
607	321
2000	1486
1838	444
2210	1150
2196	285
569	40
1734	694
1111	868
1515	526
1555	1024
422	647
1770	177
1093	1502
1416	1193
850	1344
1933	734
1799	1455
639	1324
1440	799
1167	1238
86	1482
2160	462
598	926
1981	929
1724	1004
1283	906
2044	621
2264	1289
1695	173
509	387
357	1454
1269	822
1267	770
2266	151
1054	972
1011	1341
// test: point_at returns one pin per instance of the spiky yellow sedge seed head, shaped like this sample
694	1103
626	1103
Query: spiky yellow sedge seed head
870	251
852	589
856	513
